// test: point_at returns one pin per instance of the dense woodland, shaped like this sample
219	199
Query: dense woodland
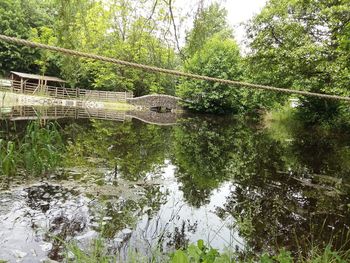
297	44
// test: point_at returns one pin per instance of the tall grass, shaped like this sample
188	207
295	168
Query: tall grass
97	253
8	158
41	148
38	152
200	253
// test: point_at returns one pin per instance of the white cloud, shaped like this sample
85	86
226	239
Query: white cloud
241	11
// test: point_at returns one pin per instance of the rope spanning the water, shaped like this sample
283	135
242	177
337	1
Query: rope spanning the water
163	70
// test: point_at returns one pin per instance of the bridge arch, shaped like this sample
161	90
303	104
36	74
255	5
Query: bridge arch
155	101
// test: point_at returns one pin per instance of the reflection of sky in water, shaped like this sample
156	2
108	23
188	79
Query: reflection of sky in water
24	224
28	214
207	225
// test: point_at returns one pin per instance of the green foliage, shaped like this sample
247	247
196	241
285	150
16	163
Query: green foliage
302	45
48	62
211	51
135	149
7	158
109	29
41	148
37	153
208	22
201	152
112	30
198	253
328	255
221	59
15	22
97	253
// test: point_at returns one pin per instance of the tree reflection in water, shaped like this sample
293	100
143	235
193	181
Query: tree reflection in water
292	193
148	186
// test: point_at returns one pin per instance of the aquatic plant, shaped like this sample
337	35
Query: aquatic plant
96	254
41	148
38	152
8	158
198	253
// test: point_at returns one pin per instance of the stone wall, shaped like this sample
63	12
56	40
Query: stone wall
151	117
155	101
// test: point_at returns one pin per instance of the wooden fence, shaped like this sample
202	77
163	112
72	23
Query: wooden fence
61	112
43	114
67	93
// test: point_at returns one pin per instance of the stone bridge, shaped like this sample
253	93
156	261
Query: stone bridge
156	102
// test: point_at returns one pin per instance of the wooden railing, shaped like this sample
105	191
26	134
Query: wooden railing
60	112
24	113
67	93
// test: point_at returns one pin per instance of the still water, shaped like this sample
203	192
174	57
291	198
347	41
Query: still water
157	185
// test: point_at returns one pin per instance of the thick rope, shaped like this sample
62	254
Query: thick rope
163	70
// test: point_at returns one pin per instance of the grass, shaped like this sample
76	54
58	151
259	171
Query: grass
199	253
38	152
8	158
96	253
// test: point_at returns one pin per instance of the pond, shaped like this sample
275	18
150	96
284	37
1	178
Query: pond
155	185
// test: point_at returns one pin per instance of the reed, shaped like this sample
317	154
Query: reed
38	152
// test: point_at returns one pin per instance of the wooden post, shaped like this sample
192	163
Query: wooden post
45	87
21	87
11	82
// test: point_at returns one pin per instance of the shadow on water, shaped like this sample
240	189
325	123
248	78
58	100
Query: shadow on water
224	180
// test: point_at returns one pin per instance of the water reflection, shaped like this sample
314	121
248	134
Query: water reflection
224	180
202	153
44	113
290	194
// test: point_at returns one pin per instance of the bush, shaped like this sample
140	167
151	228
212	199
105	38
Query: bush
221	59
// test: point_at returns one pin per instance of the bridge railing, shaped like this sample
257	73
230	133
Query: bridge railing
66	93
59	112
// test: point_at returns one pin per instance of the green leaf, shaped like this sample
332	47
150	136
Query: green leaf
265	258
179	257
194	253
200	244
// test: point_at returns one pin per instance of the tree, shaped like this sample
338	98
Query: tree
221	59
303	45
69	24
115	29
14	22
208	22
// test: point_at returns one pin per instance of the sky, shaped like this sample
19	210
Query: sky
240	11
